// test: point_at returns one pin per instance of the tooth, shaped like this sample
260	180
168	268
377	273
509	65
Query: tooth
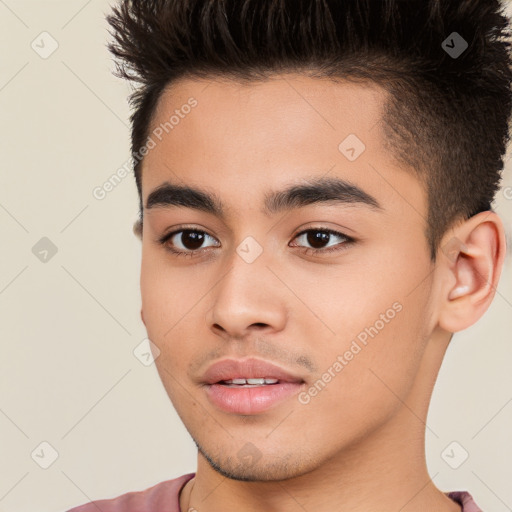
256	381
260	381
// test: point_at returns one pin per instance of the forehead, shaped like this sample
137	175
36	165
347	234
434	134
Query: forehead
289	105
243	139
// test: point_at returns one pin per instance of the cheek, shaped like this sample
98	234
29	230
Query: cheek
371	361
362	384
166	302
168	292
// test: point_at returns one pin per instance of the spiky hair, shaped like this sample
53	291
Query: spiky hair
447	116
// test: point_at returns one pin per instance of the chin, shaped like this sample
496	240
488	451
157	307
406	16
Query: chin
240	467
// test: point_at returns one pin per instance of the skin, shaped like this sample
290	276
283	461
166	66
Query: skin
358	445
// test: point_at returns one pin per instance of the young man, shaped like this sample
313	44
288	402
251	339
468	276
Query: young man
315	181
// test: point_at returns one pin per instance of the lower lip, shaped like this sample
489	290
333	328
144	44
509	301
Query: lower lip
250	400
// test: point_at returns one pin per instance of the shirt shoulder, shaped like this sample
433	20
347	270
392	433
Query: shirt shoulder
464	499
162	497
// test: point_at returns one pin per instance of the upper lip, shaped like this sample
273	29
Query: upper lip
252	368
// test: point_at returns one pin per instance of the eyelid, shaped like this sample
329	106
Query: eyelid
325	229
170	232
349	240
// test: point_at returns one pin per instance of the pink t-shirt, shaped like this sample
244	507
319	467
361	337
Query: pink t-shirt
164	497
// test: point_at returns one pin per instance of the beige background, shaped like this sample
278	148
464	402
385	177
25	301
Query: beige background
68	374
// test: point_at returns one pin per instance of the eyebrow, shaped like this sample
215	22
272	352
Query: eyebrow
314	191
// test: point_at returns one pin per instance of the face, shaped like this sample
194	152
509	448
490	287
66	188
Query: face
307	255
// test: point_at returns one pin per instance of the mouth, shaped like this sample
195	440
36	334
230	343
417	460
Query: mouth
249	383
249	386
252	372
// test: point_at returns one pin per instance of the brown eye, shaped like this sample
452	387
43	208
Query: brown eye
318	239
191	240
186	242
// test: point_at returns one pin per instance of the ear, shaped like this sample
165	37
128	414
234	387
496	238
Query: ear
137	229
471	260
142	316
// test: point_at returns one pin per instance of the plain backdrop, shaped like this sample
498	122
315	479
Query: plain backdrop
73	395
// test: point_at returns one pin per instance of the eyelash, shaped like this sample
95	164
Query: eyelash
307	250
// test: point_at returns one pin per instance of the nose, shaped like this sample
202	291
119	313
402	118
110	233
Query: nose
248	298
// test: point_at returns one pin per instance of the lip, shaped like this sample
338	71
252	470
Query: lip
247	368
249	400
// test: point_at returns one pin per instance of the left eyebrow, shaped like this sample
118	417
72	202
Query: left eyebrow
314	191
319	190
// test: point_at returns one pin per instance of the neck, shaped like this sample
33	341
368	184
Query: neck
383	470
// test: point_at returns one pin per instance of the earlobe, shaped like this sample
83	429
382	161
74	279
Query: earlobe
473	268
142	316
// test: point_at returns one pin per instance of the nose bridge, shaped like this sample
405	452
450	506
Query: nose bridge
247	293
